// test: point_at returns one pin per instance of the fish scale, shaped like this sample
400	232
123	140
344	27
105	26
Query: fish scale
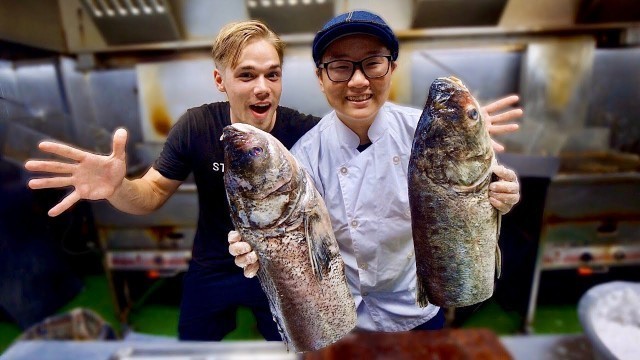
278	211
455	227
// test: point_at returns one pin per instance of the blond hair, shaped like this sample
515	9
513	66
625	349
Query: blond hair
234	37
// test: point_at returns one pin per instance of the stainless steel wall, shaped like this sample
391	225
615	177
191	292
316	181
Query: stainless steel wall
51	98
614	102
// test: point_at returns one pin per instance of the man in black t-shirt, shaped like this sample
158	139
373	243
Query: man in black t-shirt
248	58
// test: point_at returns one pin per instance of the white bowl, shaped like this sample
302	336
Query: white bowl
616	306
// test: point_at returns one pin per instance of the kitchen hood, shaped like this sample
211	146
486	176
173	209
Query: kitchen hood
133	22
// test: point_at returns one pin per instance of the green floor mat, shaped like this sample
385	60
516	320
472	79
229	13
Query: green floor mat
154	318
246	327
97	297
556	319
8	333
493	317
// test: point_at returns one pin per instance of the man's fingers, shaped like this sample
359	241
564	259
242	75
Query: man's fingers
503	202
119	143
502	103
47	183
246	259
239	248
65	204
251	270
507	198
500	206
504	187
505	174
503	129
62	150
506	116
55	167
233	237
497	147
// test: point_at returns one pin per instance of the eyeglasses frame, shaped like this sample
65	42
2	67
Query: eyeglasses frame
357	64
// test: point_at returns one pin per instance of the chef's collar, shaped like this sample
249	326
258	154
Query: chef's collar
351	140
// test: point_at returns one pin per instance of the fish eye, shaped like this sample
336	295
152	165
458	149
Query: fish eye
256	151
472	114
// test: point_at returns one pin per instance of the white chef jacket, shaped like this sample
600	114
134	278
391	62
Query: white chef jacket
366	195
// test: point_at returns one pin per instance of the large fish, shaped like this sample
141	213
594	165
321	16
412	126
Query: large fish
455	227
278	211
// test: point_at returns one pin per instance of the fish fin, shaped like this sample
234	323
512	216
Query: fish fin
270	289
421	295
498	252
498	262
318	242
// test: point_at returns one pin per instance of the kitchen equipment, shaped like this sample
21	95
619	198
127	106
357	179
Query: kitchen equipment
158	244
591	223
130	21
292	16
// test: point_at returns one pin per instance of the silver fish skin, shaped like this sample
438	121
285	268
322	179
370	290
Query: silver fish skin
278	211
455	227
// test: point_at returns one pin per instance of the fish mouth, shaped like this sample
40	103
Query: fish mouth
234	137
453	81
443	88
231	134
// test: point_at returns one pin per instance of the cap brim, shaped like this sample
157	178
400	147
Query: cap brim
347	29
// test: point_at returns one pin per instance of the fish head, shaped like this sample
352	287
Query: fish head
256	164
451	102
453	132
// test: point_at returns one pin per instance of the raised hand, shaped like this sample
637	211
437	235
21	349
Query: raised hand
92	176
495	123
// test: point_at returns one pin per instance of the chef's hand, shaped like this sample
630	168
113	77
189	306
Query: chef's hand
93	176
492	121
505	192
245	257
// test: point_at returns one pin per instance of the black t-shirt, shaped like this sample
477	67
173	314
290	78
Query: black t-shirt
193	145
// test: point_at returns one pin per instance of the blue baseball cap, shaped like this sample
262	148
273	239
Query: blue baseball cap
354	22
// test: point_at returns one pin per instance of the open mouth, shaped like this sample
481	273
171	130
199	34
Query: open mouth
360	98
260	108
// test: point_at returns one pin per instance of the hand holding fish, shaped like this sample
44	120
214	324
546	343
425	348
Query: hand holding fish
245	257
93	176
493	121
504	193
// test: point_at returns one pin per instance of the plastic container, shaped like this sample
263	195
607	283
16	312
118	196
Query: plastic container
612	302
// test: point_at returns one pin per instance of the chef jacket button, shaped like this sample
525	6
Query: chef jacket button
410	255
396	159
365	294
354	223
364	266
344	170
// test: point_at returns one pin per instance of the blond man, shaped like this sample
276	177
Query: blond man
248	69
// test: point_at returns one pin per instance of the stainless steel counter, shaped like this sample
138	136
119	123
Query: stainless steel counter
548	347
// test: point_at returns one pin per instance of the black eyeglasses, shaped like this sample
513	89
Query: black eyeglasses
372	67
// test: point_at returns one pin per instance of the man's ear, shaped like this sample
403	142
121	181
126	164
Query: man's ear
217	77
394	65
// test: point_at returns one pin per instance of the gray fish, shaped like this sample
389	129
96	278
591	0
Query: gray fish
455	227
278	211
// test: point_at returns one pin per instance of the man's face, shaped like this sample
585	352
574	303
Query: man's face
254	86
358	100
